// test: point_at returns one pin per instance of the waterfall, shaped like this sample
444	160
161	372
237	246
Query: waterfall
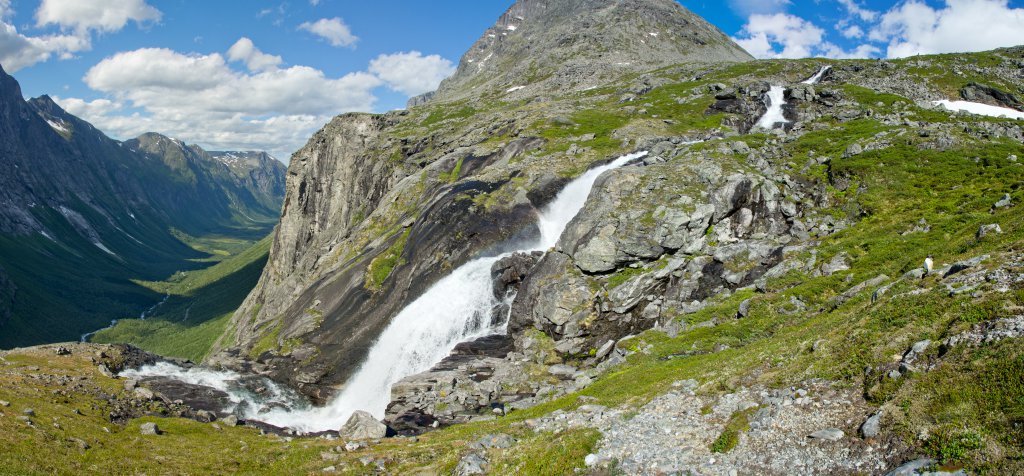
457	309
817	77
775	99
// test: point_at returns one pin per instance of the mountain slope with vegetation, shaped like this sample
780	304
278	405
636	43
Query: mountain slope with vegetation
85	216
743	300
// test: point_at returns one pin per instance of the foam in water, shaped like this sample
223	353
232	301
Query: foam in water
776	98
459	308
246	402
817	77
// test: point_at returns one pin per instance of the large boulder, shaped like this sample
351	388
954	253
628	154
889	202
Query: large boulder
362	426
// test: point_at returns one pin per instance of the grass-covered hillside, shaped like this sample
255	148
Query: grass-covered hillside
832	336
199	303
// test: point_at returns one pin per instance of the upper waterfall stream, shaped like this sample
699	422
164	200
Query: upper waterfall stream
775	99
456	309
817	76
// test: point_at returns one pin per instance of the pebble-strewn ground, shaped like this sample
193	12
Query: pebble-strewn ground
674	433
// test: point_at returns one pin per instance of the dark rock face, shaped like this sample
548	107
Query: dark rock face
988	95
509	272
101	211
196	397
746	104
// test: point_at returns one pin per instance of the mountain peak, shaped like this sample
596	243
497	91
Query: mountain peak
571	43
9	87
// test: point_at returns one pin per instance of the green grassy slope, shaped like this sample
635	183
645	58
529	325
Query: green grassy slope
199	305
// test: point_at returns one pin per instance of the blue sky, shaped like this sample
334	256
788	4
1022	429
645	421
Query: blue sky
265	74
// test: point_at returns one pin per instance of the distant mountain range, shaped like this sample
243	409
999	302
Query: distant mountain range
82	216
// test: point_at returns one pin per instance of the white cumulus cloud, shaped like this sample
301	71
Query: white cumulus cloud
788	36
102	15
245	51
334	30
780	36
205	99
76	20
412	73
914	27
854	8
200	98
18	51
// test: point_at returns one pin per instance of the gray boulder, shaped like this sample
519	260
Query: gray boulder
362	426
473	463
744	309
1004	202
992	228
912	468
829	434
872	426
150	429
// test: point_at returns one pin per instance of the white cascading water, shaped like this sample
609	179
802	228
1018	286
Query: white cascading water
776	98
457	309
817	77
244	400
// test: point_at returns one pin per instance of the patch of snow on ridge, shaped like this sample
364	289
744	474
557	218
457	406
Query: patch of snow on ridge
980	109
104	248
59	127
514	89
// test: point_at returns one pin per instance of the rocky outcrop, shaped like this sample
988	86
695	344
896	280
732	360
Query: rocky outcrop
575	44
628	260
975	92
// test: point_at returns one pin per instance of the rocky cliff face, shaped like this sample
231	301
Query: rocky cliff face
380	207
102	212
